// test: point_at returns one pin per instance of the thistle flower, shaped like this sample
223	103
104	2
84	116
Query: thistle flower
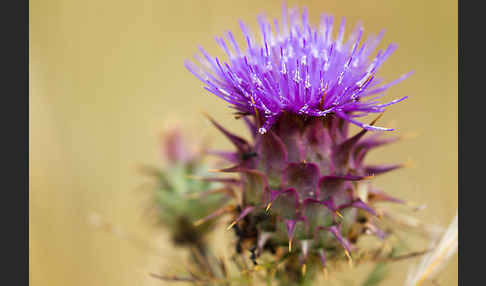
306	194
299	69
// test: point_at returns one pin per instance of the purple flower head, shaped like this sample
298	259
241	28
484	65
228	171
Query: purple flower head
299	69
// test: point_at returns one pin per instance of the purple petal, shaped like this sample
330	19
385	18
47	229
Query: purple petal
293	67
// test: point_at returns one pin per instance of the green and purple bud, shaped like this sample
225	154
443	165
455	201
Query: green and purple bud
306	193
181	192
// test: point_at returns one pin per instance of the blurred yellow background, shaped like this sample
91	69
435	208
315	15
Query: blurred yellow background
106	77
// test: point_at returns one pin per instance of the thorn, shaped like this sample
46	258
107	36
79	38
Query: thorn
198	222
268	206
304	269
350	260
290	245
408	164
231	225
339	215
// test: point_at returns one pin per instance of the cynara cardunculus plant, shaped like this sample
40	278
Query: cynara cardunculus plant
306	193
302	197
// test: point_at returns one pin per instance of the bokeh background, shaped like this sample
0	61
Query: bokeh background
107	76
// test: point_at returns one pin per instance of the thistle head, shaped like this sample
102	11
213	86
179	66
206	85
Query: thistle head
305	185
300	69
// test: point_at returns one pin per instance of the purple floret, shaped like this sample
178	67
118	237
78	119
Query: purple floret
300	69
